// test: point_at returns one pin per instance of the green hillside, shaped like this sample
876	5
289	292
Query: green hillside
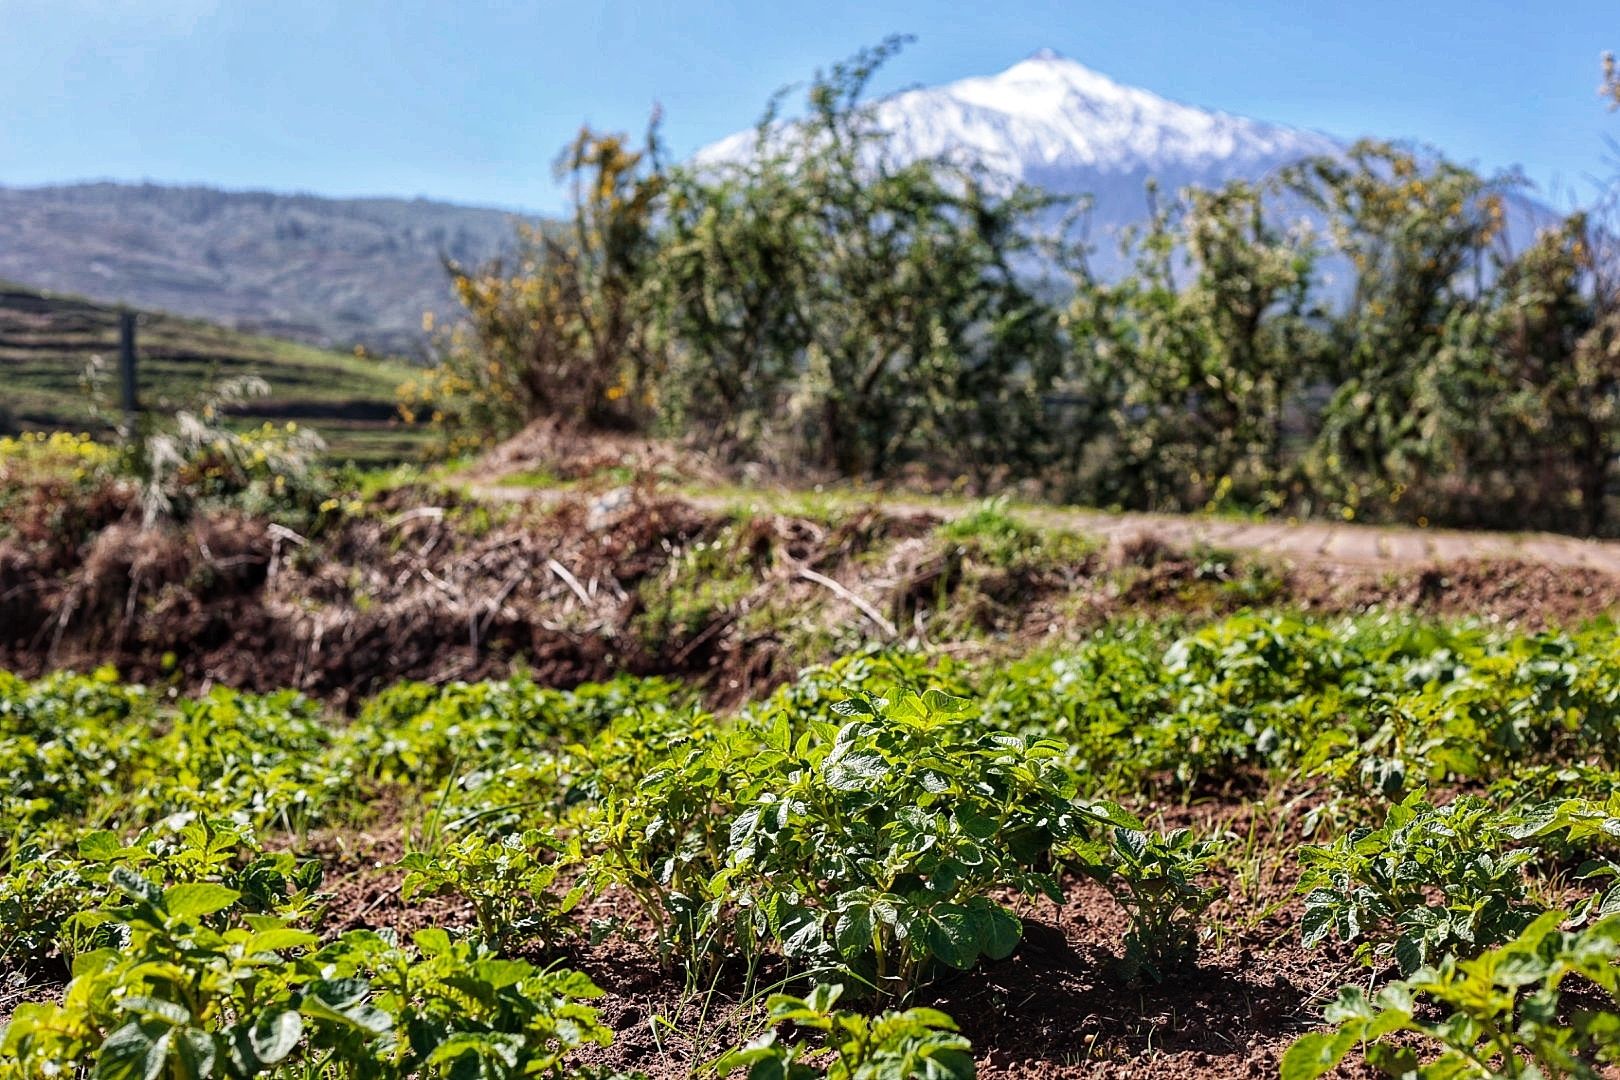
47	344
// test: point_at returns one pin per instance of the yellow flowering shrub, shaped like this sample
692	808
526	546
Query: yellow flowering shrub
562	327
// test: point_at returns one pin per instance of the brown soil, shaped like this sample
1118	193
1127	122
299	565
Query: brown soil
417	591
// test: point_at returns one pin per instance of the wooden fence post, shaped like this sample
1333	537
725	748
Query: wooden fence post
129	390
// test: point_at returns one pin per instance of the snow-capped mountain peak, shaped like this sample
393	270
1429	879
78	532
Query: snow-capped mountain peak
1050	115
1051	121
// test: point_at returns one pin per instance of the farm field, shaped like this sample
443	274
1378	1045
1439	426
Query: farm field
420	782
988	573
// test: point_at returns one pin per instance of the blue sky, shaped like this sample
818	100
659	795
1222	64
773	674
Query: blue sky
470	100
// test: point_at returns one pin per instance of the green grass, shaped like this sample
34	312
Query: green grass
48	343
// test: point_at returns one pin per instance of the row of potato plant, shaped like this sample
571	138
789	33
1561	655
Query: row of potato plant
867	824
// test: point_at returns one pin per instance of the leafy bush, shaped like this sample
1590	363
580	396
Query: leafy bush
817	300
185	850
1349	338
1187	370
894	316
42	895
456	1008
563	327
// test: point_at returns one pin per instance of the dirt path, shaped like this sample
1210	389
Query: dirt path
1316	542
1348	544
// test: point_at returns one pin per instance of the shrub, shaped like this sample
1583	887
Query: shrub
203	461
563	328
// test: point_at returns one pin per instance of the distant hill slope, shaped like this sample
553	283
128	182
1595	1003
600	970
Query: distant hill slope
326	271
47	343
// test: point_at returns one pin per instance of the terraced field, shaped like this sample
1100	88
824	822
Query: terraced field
48	343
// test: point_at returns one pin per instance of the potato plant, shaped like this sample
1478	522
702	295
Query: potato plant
877	844
199	990
41	898
184	997
508	880
917	1044
1430	881
1502	1014
1157	879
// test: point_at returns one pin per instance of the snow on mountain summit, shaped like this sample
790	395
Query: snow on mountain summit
1049	115
1051	121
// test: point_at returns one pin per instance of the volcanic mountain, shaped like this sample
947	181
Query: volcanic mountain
1053	123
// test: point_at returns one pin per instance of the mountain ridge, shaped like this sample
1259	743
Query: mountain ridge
327	271
1051	122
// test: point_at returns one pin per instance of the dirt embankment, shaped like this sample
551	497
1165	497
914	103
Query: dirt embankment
414	590
582	587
